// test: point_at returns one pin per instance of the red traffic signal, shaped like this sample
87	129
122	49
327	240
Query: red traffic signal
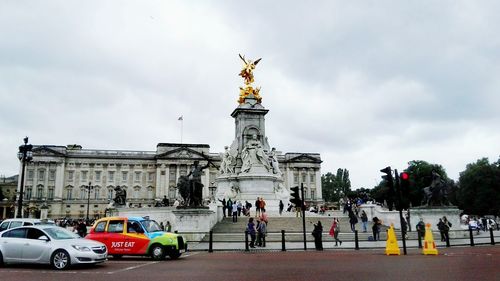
405	176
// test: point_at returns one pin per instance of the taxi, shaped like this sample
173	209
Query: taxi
136	236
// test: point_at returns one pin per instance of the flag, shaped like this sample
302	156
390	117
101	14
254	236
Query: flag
180	118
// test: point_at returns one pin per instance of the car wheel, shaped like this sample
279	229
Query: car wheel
1	259
174	254
60	260
157	252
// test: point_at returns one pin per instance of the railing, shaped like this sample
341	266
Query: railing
282	241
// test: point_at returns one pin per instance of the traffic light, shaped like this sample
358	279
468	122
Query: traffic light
388	176
295	196
404	183
389	181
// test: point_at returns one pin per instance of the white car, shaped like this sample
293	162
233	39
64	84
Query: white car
49	244
11	223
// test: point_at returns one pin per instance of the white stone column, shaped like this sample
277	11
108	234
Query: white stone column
59	182
167	181
206	183
319	190
158	181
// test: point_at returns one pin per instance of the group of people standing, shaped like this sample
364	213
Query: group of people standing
258	231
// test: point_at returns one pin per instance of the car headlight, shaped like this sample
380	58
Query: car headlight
81	248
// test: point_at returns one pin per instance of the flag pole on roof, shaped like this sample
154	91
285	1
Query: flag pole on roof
181	118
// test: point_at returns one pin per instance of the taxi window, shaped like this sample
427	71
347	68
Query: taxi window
115	226
100	227
134	227
27	223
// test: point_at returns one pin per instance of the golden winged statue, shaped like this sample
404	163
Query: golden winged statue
247	71
247	74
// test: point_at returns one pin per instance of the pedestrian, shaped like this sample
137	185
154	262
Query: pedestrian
248	206
240	206
281	206
263	216
440	226
257	207
317	233
223	201
81	228
229	207
376	228
251	232
168	227
162	226
235	211
353	220
420	227
335	230
261	233
364	220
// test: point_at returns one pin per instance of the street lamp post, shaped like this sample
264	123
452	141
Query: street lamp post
88	187
25	155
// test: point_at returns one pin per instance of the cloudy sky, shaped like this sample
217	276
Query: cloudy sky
365	83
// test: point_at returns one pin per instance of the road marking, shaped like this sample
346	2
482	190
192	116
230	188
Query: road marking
131	267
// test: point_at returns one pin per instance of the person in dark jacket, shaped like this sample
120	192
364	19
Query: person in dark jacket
318	235
251	232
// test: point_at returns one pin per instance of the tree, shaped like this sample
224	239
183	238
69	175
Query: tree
479	188
335	186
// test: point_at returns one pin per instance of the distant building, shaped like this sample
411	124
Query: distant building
8	186
59	176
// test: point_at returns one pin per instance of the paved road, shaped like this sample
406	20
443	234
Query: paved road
459	263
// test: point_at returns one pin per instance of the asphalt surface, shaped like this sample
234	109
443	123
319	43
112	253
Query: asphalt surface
457	263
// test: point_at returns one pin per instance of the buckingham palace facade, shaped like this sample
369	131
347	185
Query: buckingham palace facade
70	179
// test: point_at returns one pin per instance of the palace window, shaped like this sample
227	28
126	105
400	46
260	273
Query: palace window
69	193
52	175
83	193
111	176
137	176
84	175
313	194
98	176
150	192
41	175
311	177
96	193
124	176
295	178
39	192
29	191
70	175
137	192
110	193
30	174
304	178
50	194
151	176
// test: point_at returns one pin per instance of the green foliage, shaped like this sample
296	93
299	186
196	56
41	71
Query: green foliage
335	186
479	191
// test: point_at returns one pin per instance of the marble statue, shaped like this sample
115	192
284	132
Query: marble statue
274	162
253	154
228	161
437	192
120	196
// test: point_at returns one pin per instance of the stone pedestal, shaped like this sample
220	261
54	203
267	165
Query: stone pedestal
193	224
433	214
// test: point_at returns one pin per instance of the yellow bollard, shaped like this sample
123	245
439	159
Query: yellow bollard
392	247
429	244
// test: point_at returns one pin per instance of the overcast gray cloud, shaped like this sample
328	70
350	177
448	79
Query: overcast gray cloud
365	83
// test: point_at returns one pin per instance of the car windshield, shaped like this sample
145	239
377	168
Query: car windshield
60	233
151	225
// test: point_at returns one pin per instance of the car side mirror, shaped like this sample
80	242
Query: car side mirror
44	238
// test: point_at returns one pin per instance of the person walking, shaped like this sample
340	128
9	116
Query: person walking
317	233
223	201
229	207
168	227
420	227
281	206
240	207
248	206
251	232
335	230
257	207
364	220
